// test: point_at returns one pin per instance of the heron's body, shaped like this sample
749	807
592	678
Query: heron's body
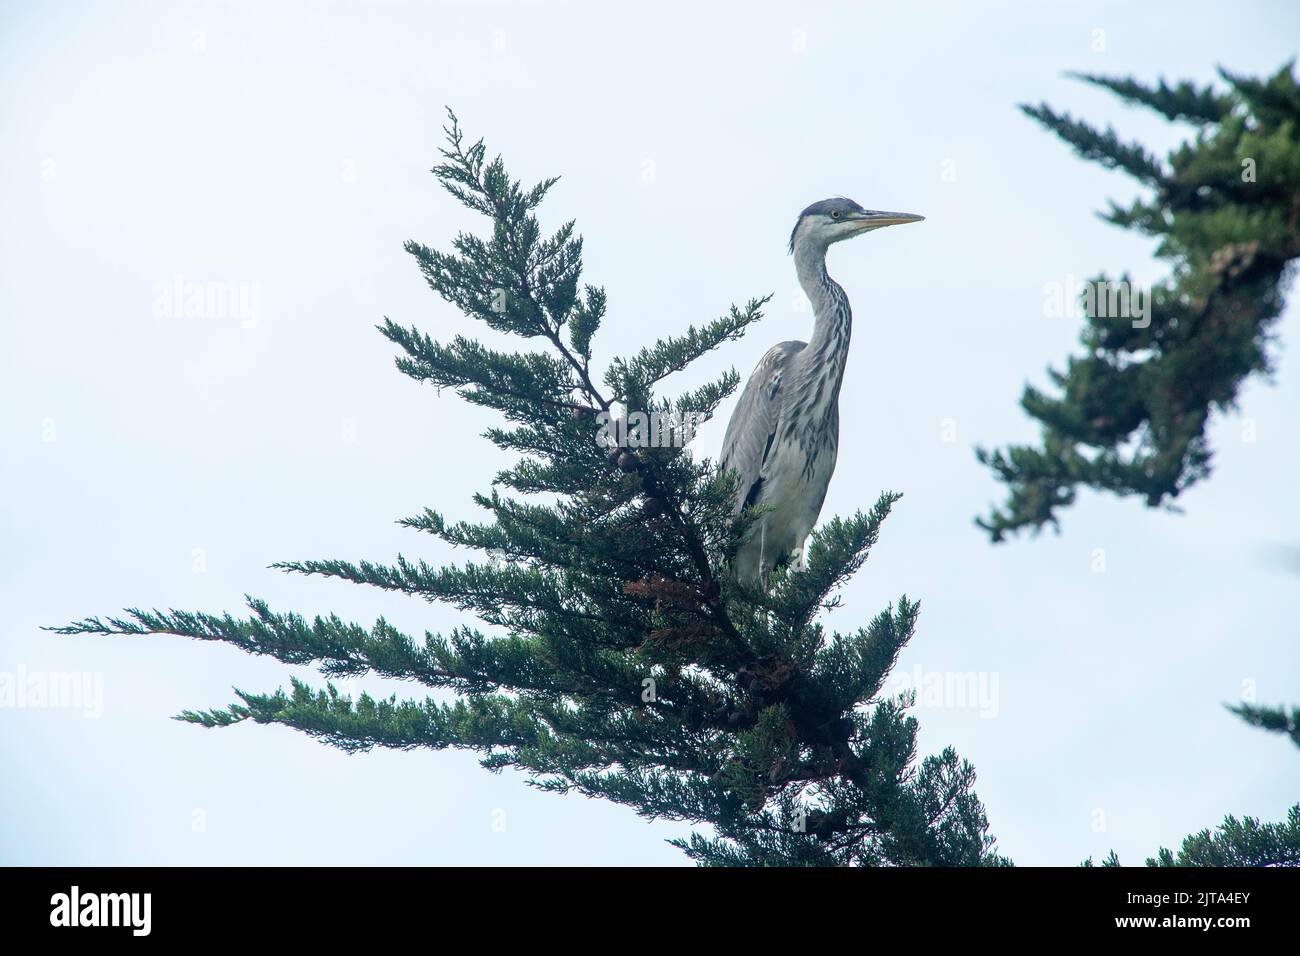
783	438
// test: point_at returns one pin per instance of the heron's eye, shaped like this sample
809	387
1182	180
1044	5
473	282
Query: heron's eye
835	214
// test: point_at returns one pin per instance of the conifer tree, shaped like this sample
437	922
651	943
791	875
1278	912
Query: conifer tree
1133	409
616	657
1131	414
1245	842
1275	719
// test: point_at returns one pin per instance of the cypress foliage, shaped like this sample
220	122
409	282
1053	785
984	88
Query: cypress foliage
619	660
1245	842
1275	719
1131	411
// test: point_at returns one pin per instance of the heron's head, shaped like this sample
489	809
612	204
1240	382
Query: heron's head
832	220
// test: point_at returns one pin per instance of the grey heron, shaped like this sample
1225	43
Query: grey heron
783	437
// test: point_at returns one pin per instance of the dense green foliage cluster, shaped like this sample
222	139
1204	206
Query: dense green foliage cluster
1132	409
1236	842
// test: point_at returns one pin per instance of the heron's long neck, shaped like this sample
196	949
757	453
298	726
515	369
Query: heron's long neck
828	349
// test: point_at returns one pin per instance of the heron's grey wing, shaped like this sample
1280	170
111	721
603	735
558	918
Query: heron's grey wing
753	424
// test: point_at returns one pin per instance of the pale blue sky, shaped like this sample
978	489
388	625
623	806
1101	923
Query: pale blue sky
287	145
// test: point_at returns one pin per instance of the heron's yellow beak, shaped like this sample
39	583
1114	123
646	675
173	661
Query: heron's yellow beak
872	219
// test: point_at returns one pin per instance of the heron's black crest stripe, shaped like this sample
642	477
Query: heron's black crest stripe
824	207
